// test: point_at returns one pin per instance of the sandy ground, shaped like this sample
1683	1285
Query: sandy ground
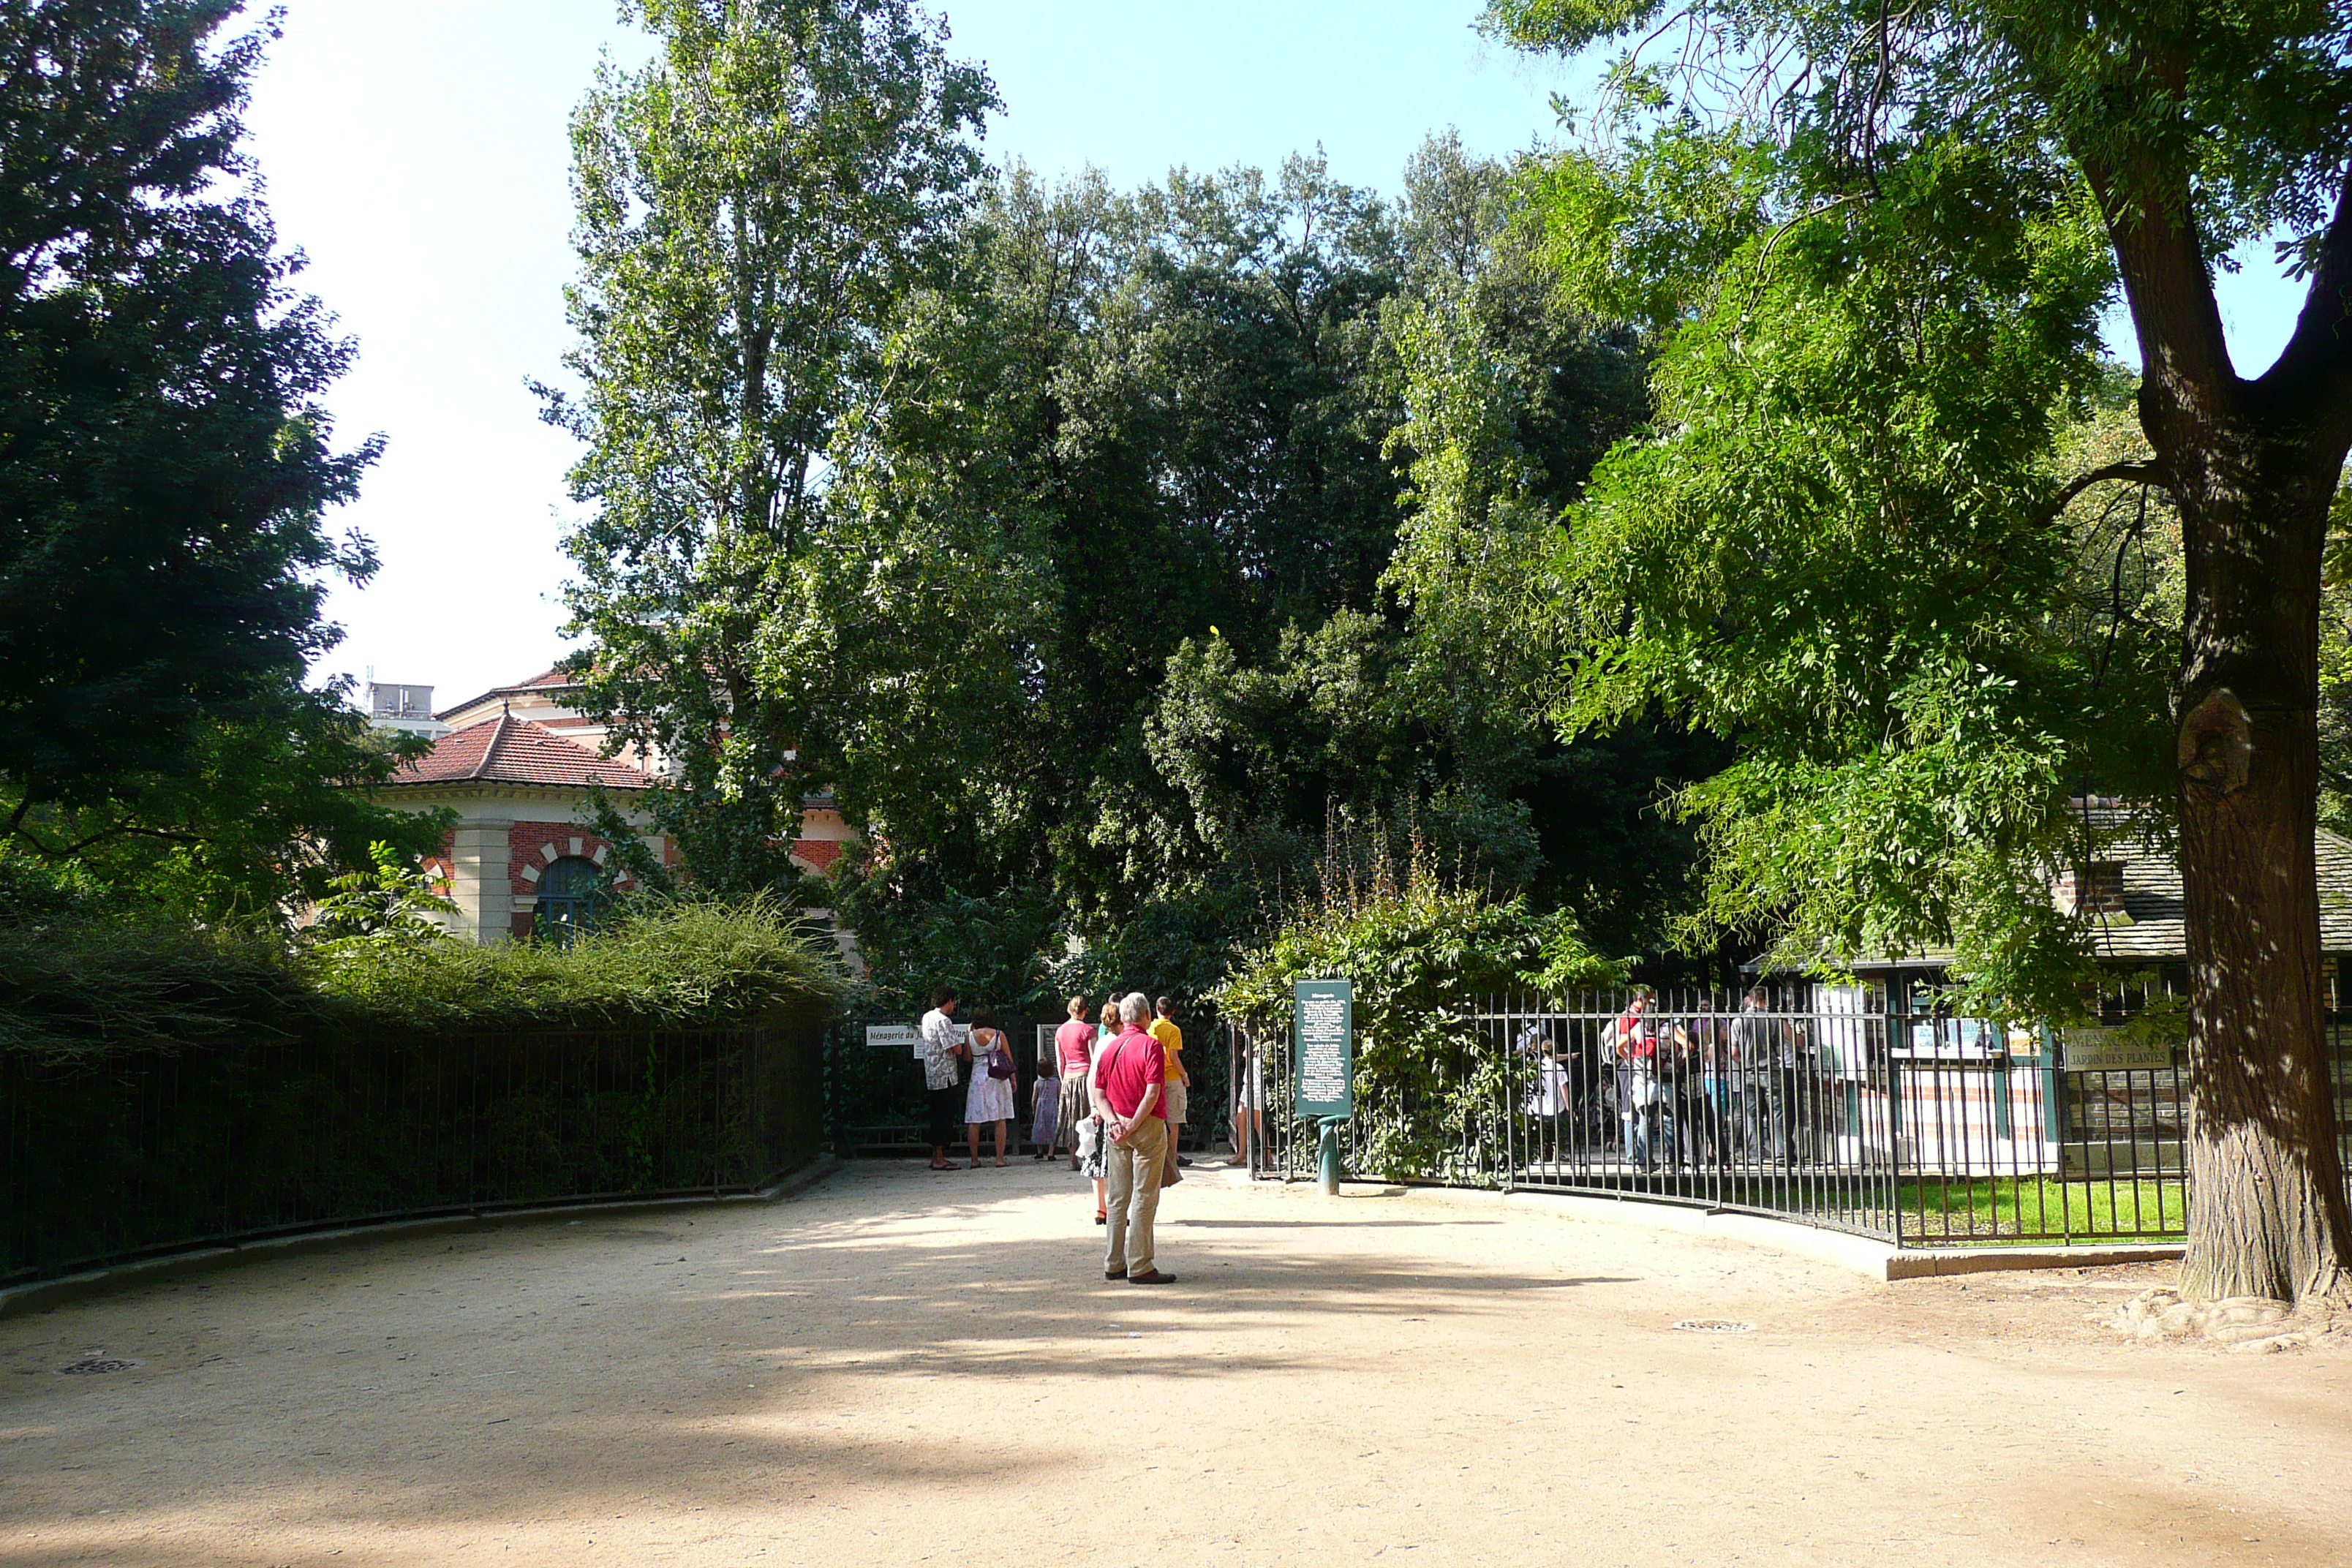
902	1368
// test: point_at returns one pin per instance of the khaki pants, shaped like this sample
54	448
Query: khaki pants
1134	1197
1176	1109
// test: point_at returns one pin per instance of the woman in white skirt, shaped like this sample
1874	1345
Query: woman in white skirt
990	1095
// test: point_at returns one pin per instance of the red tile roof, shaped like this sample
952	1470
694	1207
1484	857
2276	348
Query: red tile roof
508	749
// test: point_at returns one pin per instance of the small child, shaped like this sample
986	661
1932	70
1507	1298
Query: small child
1046	1124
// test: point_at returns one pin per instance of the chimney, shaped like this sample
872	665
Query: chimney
2095	888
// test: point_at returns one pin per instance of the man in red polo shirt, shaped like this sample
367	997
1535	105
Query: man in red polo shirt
1130	1078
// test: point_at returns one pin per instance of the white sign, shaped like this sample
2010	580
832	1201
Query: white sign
2095	1049
891	1037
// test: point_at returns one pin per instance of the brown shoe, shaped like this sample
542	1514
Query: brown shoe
1152	1277
1115	1274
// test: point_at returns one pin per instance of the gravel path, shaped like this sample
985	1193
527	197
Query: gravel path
901	1368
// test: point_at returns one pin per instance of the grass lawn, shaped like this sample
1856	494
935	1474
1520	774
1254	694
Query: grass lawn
2007	1209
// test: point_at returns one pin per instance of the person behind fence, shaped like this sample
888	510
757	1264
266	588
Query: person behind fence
1129	1075
1633	1050
1678	1093
993	1072
1249	1105
1756	1062
1718	1087
1074	1052
1171	1040
943	1047
1547	1094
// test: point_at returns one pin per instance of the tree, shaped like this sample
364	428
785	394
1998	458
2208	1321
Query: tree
1129	490
2176	130
165	466
754	207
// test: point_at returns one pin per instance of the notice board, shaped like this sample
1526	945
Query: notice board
1324	1029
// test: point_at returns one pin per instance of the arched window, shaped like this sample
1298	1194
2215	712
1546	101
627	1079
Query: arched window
570	892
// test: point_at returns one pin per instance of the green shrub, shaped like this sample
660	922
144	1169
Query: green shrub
76	979
683	964
1421	955
72	985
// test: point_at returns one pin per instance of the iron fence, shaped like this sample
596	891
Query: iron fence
135	1153
1916	1128
875	1098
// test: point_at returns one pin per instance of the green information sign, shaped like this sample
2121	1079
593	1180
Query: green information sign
1325	1035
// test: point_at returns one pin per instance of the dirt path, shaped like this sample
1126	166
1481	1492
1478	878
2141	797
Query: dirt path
901	1368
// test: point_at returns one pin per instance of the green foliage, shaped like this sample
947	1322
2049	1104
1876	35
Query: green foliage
77	978
2336	670
80	974
1839	548
754	207
165	461
1422	952
1099	607
391	900
990	948
692	963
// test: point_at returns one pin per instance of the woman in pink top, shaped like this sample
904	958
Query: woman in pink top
1073	1049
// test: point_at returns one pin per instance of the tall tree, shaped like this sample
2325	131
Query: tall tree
2179	130
754	207
165	466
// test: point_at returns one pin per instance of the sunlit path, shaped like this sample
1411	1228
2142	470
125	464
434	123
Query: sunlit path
904	1367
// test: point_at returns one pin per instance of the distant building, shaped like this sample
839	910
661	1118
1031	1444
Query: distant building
519	765
408	709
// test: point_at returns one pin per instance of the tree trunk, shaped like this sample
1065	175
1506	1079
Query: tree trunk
2267	1203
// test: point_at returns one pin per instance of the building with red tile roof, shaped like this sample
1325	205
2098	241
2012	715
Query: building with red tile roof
520	767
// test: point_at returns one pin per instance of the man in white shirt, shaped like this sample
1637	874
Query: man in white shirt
943	1043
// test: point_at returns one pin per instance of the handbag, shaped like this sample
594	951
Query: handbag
1000	1060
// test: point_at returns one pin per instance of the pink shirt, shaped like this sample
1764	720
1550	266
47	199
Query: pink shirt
1076	1042
1130	1064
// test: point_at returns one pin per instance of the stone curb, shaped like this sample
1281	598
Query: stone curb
41	1294
1871	1258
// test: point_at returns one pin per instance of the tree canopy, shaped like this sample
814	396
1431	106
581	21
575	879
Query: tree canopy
1871	247
166	468
1091	548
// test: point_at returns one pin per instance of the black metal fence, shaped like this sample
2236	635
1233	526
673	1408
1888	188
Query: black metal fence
140	1152
875	1096
1918	1129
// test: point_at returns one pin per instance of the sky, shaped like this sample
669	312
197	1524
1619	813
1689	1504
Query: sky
415	152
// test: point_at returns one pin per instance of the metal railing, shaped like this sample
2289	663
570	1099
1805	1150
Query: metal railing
137	1152
1918	1129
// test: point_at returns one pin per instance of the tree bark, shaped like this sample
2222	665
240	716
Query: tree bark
2267	1211
2252	467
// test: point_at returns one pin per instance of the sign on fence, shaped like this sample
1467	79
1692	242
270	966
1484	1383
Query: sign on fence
895	1036
2090	1048
1326	1033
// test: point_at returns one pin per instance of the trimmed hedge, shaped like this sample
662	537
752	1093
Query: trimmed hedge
72	983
